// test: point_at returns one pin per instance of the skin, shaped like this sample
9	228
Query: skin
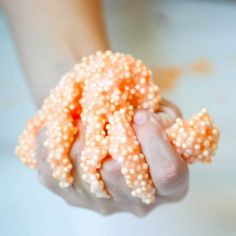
53	35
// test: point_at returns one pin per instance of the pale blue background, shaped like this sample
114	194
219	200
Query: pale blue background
161	33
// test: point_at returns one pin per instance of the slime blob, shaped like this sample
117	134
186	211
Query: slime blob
103	92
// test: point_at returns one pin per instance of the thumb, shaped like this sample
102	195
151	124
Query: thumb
169	172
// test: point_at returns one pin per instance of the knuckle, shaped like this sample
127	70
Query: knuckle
71	198
50	185
110	171
71	202
157	126
183	192
45	180
140	211
105	211
173	174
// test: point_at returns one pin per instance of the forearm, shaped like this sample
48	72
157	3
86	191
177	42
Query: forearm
52	35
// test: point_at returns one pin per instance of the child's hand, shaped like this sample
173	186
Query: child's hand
169	172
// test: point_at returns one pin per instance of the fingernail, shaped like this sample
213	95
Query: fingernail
140	117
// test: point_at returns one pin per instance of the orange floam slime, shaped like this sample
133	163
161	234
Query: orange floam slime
103	92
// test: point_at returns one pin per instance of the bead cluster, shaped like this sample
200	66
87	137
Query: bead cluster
195	139
103	92
125	150
115	86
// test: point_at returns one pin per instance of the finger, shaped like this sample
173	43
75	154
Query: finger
71	194
114	180
122	200
168	170
110	172
80	186
164	119
44	170
78	144
111	175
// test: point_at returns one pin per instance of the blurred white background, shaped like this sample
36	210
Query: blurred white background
161	33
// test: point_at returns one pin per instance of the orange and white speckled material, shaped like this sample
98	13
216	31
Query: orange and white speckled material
103	92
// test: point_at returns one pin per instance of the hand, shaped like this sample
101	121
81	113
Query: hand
169	172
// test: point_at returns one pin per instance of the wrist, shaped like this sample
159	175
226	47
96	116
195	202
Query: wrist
52	64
